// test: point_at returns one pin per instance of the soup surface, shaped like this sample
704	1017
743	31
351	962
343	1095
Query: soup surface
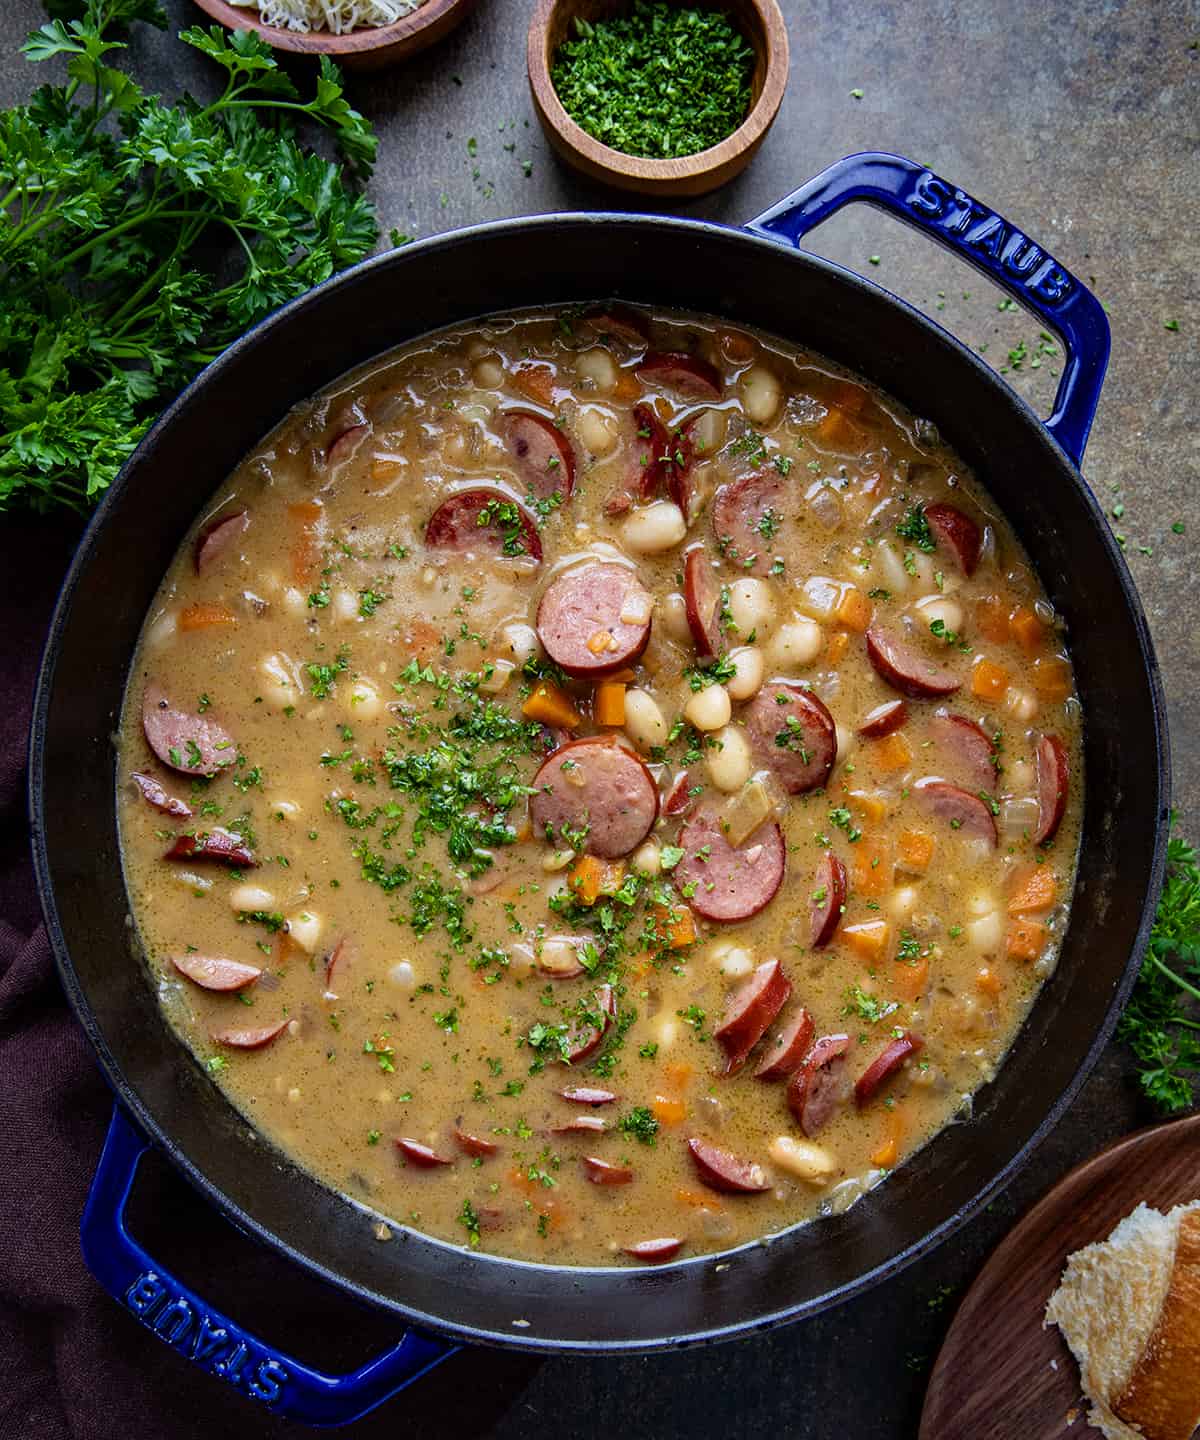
599	786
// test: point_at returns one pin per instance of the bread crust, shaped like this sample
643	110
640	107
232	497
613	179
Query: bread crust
1162	1397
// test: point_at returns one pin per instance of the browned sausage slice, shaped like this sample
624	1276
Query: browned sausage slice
420	1155
688	375
222	846
679	797
884	719
726	884
587	1095
483	521
600	1172
702	601
597	788
586	1035
345	443
156	796
335	960
819	1087
745	513
543	456
793	734
651	444
215	972
216	538
827	903
964	812
193	744
905	670
253	1038
621	323
579	620
580	1124
885	1065
967	745
720	1170
654	1252
750	1010
785	1051
470	1144
958	532
677	466
1053	781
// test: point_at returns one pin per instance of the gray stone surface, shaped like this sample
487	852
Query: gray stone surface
1081	123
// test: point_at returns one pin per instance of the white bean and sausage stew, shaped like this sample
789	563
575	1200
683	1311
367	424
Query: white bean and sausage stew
600	786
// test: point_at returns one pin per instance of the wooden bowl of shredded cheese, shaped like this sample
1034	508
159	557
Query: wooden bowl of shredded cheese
358	34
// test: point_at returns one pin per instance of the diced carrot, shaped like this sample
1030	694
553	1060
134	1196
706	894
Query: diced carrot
306	518
895	1128
421	639
839	642
626	677
1052	677
848	397
204	616
627	388
385	469
1034	889
914	850
612	874
524	833
583	879
910	977
989	981
641	966
873	866
891	753
536	381
698	1200
668	1112
887	1154
1026	939
870	806
678	1074
854	610
989	681
839	432
675	923
1027	630
551	706
991	619
869	938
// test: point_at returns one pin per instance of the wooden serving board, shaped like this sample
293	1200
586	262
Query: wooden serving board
1000	1374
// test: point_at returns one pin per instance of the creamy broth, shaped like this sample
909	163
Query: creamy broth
770	926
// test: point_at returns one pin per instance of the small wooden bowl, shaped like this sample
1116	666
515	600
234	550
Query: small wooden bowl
368	49
763	26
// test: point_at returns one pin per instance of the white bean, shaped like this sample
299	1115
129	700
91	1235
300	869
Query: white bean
402	975
647	858
281	688
801	1158
709	709
597	431
644	723
796	644
751	606
304	929
939	607
728	759
558	957
284	809
674	618
760	394
651	529
598	366
923	564
987	933
295	602
747	679
488	373
1020	703
363	701
708	431
903	902
891	568
518	642
821	596
344	607
251	897
665	1032
736	963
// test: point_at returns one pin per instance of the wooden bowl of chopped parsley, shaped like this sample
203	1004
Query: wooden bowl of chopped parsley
663	97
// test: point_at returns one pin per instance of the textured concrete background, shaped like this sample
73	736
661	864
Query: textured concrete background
1081	123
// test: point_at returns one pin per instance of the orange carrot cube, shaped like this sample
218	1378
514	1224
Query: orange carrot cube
551	706
536	381
204	616
991	619
914	851
668	1112
989	681
892	753
1052	677
1035	889
910	977
839	642
988	981
854	610
1026	939
868	939
873	866
1027	630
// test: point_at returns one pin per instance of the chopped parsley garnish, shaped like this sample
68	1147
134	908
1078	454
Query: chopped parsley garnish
915	527
866	1006
716	672
842	818
641	1123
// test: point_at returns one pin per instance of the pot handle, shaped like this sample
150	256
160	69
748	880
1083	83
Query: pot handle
1018	264
177	1315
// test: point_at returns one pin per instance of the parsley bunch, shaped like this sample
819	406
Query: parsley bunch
1161	1024
138	238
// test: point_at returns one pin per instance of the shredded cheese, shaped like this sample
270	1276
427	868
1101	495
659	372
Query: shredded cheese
339	17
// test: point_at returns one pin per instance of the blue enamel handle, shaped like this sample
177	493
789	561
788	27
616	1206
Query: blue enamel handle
209	1339
1018	264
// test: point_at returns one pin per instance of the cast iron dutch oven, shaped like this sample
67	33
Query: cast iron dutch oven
756	276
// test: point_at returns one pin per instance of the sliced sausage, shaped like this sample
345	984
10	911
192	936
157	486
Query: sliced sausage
907	671
600	1172
726	884
967	745
720	1170
621	323
827	903
217	844
677	468
702	600
192	744
474	1145
483	521
884	719
784	1052
542	454
156	796
420	1155
335	960
741	523
580	1124
1053	782
597	787
687	375
964	812
586	1035
820	1086
654	1252
215	972
252	1038
345	443
750	1011
587	1095
580	624
650	449
793	734
957	532
679	797
885	1065
216	538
